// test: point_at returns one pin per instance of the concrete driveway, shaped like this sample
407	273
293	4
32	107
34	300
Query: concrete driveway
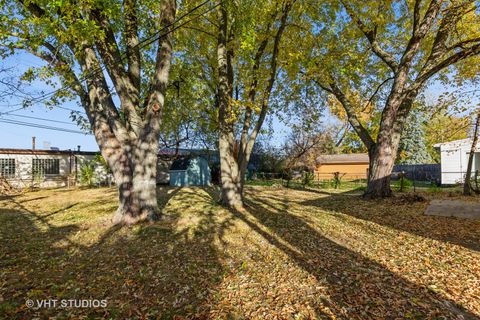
454	208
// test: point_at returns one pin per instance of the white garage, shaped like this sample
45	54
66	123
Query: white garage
454	160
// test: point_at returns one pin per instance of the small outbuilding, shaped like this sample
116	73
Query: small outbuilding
454	160
350	166
190	171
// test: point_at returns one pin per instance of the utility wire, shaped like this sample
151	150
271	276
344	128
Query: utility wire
40	126
11	112
38	118
149	40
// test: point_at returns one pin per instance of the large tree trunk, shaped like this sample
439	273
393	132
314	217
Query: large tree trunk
380	171
135	177
231	195
231	182
384	152
467	185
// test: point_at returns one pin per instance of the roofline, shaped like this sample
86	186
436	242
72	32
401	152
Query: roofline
343	162
343	158
466	140
47	152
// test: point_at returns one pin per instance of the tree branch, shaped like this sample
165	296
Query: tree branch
253	92
375	93
132	42
110	54
371	35
352	117
156	98
454	58
419	32
273	72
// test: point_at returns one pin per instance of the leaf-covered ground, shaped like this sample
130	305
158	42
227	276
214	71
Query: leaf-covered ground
290	254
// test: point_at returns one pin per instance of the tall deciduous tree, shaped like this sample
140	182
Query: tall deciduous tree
90	45
394	47
261	49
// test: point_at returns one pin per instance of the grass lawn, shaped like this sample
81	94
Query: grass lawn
291	254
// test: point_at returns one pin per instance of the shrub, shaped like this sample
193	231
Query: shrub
287	176
87	172
403	184
337	179
434	188
103	163
307	179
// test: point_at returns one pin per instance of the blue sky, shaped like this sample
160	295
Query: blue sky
17	136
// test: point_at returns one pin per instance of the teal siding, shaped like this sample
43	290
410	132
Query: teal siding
197	174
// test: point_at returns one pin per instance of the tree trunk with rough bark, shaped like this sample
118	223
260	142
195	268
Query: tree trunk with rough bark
234	156
231	189
110	52
230	174
384	152
467	185
137	191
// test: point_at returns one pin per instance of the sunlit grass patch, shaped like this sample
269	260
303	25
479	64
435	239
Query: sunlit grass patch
290	254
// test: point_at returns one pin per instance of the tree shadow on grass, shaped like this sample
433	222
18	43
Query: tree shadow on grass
146	271
356	287
403	215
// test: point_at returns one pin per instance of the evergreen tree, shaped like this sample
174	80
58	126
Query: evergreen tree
413	147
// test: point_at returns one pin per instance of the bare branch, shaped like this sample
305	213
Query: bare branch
375	93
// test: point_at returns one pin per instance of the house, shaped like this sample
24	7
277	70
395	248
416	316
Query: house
190	171
350	166
42	168
454	160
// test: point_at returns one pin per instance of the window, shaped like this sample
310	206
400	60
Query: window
45	166
7	168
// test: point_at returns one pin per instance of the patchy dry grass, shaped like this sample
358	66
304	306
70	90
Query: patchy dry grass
291	254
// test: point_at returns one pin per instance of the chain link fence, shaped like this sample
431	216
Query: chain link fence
403	178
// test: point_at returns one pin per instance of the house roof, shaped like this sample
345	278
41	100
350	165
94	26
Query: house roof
180	164
46	152
182	151
343	158
454	143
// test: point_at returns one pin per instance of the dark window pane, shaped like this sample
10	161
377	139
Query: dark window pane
7	168
45	166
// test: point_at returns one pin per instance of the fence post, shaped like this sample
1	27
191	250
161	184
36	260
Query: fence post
414	178
402	181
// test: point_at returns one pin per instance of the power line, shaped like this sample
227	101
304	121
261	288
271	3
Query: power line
69	109
40	126
38	118
23	108
11	111
147	41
